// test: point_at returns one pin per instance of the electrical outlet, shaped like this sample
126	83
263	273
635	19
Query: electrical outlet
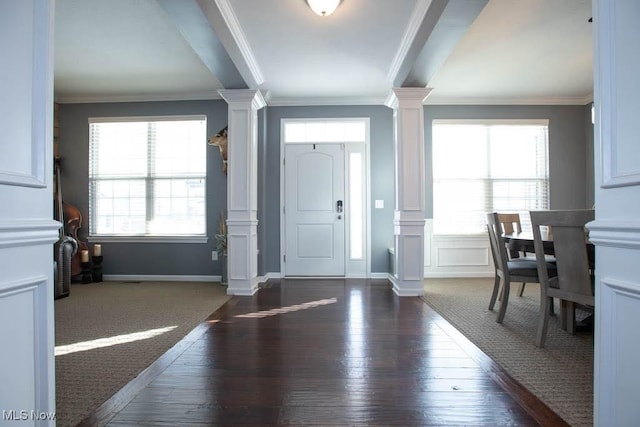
214	255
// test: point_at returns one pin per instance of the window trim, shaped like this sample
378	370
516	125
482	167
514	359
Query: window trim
139	238
147	239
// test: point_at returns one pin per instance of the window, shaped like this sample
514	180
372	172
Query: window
484	166
147	176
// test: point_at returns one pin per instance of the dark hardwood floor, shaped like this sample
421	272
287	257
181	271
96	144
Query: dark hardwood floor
324	352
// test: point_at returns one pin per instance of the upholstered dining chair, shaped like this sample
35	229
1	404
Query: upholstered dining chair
507	271
510	223
571	282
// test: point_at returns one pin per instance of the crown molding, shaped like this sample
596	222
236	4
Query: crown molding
419	12
229	16
319	101
94	99
578	100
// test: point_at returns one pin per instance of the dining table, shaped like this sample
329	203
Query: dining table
524	241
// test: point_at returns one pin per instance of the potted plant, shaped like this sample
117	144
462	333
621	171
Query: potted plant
221	246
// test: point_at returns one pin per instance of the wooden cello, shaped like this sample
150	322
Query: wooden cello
71	220
73	223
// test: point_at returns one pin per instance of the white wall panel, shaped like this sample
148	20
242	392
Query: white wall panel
238	264
23	326
27	230
461	257
24	116
616	230
456	256
410	247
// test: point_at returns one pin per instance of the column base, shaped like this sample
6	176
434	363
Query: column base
407	288
242	287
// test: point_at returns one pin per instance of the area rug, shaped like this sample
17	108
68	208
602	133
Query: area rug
560	374
107	333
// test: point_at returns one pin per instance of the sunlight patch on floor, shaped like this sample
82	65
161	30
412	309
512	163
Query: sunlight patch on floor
288	309
61	350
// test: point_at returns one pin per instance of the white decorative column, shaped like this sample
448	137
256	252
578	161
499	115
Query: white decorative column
408	221
242	190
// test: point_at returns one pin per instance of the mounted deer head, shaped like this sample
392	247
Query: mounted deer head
220	141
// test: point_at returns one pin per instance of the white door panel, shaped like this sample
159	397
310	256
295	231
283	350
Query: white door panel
314	230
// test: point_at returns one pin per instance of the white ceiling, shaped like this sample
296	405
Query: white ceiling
516	51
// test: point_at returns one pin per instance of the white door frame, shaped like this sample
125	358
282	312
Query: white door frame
367	195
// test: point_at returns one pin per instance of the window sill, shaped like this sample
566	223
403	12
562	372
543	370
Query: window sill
148	239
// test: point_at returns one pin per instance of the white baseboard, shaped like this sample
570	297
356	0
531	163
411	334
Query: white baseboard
158	278
456	274
278	275
381	276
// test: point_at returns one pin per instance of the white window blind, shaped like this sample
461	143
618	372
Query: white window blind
481	167
147	176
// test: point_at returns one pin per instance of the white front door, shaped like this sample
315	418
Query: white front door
314	210
27	228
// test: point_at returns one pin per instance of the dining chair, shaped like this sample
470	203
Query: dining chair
510	223
507	271
571	282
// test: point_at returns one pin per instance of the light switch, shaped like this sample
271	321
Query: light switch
379	204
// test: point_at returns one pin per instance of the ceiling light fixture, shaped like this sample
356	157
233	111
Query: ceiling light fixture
324	7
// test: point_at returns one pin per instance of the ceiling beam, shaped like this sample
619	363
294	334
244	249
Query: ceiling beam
435	36
222	18
423	21
453	23
196	29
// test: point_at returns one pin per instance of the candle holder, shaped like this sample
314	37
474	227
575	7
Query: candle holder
86	272
96	268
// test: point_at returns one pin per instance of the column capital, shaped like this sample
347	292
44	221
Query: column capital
249	97
409	95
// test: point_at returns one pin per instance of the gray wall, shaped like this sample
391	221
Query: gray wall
143	258
568	147
570	153
382	175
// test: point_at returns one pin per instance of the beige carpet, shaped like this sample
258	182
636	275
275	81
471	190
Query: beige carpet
85	379
561	374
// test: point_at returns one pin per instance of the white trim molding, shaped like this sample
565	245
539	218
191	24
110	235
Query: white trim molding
612	233
204	95
28	232
434	99
283	101
148	239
